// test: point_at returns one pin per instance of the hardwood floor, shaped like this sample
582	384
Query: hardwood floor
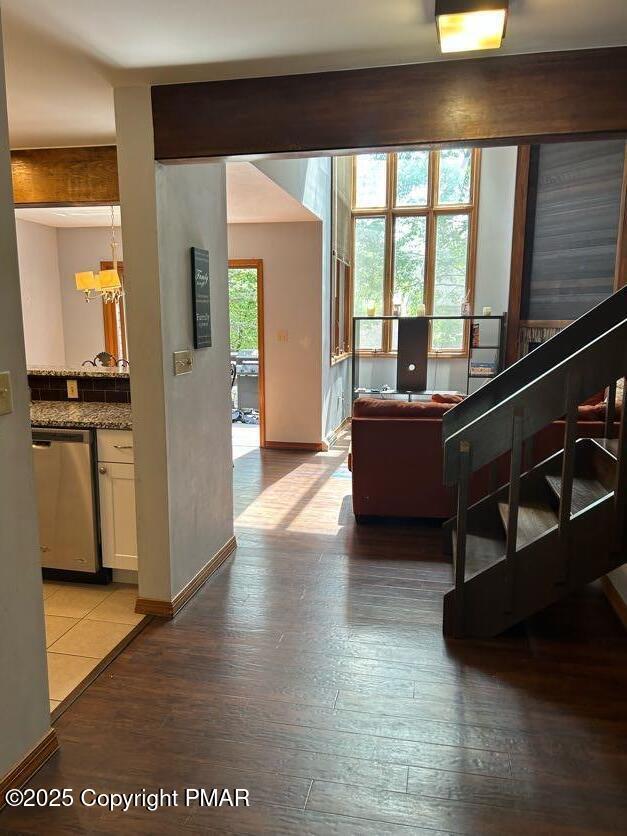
312	671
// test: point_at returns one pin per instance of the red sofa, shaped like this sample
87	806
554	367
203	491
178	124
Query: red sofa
396	457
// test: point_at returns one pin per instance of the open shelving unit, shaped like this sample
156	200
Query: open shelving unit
497	346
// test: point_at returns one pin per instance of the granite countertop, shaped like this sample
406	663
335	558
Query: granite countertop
65	414
78	371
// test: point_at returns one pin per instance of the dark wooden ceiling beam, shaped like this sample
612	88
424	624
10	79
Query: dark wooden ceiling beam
65	176
483	101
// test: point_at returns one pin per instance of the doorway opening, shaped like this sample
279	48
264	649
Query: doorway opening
246	317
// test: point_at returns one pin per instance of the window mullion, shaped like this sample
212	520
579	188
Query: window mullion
388	281
434	175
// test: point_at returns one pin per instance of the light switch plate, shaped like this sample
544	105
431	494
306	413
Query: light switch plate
72	389
183	362
6	395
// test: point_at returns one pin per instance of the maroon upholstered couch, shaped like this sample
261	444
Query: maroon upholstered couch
396	457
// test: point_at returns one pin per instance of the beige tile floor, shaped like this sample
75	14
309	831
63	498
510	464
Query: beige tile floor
83	624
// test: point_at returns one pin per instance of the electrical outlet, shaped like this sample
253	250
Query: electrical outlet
281	336
72	389
6	398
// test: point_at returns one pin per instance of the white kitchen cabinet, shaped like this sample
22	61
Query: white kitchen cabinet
116	481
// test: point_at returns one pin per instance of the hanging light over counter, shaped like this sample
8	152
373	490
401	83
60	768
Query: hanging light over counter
106	284
469	25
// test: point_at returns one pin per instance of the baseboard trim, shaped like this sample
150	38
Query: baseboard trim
309	446
29	765
168	609
618	604
334	434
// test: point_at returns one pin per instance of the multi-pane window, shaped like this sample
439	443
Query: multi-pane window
414	228
341	264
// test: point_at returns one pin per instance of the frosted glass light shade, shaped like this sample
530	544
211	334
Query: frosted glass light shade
109	279
87	280
468	25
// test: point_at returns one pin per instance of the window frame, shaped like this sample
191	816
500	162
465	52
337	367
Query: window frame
341	302
114	319
431	211
341	309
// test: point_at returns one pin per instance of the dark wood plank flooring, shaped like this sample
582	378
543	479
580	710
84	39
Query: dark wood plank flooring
312	671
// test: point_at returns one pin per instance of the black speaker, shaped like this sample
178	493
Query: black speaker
413	349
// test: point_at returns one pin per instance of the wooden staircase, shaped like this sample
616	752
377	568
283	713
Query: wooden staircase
557	525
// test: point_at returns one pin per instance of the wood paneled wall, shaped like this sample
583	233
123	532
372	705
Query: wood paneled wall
504	99
572	237
569	246
65	176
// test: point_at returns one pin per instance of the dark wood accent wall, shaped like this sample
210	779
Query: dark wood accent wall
483	101
569	243
65	176
621	247
572	228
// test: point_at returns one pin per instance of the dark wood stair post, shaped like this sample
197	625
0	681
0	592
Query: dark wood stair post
568	474
620	485
460	546
610	412
512	510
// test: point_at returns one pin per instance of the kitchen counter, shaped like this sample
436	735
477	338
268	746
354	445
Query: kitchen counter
81	415
78	371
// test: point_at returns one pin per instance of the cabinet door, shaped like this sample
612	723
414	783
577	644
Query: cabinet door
117	515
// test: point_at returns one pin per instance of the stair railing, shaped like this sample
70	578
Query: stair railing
596	321
504	427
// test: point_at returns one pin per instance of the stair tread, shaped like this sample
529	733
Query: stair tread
610	444
534	519
482	551
586	490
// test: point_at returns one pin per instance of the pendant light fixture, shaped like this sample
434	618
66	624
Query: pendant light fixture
469	25
106	284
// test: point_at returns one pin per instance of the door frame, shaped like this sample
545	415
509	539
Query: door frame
109	317
257	264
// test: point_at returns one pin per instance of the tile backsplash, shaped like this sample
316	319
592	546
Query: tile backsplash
92	389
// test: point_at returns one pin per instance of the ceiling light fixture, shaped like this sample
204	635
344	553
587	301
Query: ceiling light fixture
467	25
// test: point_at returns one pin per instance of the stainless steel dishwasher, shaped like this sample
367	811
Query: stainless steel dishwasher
63	464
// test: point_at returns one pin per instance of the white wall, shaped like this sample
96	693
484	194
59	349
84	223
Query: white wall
191	211
182	425
41	293
309	181
59	326
82	248
25	714
292	270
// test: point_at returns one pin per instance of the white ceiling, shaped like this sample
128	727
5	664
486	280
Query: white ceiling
70	216
63	57
251	197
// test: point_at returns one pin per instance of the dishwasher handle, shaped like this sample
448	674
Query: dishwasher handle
53	436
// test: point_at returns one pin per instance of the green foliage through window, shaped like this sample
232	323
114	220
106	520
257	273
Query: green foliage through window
243	308
416	251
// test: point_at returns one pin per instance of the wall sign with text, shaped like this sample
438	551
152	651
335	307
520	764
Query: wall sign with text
201	303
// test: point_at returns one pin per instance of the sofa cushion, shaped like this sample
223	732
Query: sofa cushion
374	408
591	412
598	397
448	398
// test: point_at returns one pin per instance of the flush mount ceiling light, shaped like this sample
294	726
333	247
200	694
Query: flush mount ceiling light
467	25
